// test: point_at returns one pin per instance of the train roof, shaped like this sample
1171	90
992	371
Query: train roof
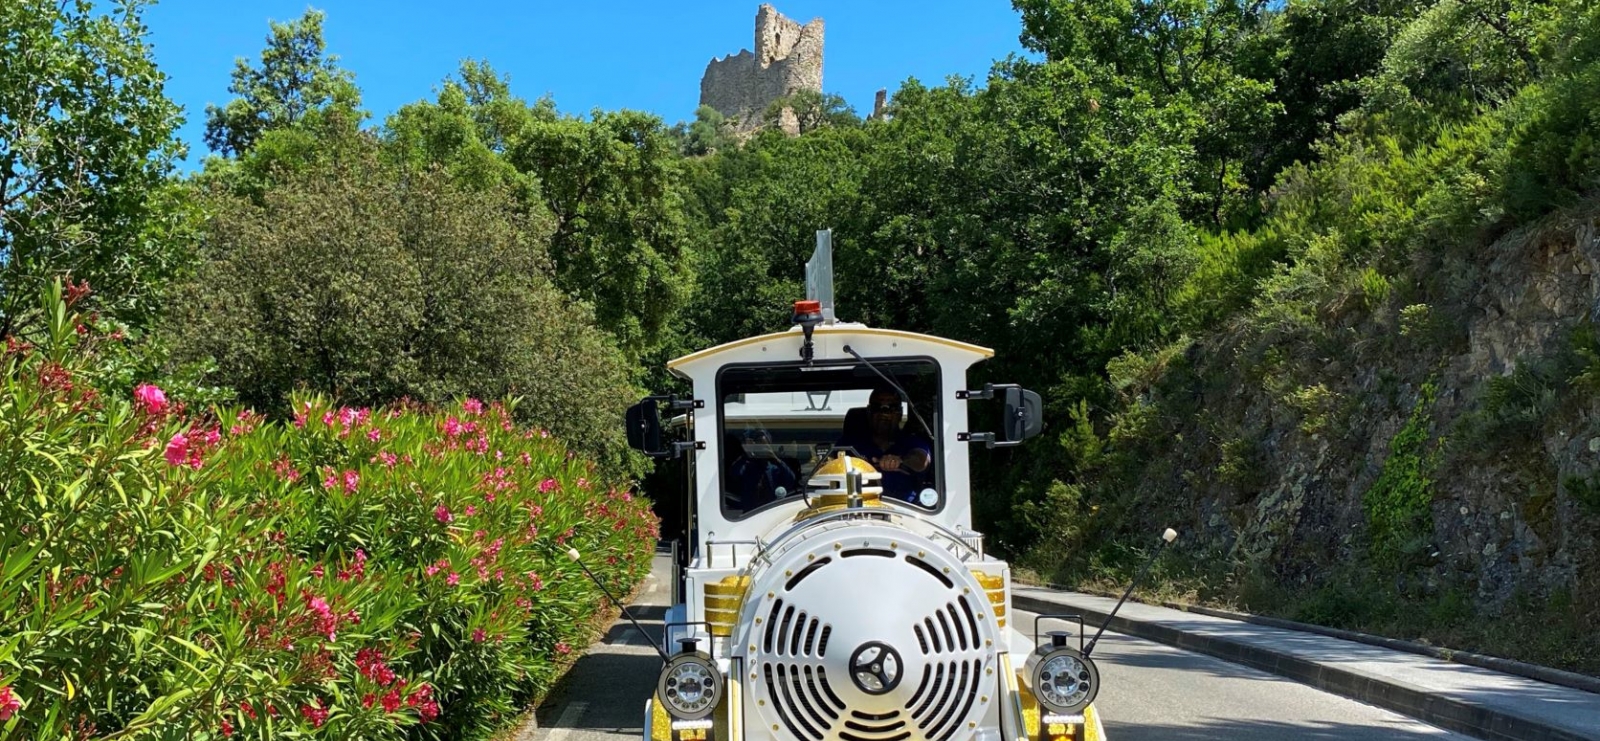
785	346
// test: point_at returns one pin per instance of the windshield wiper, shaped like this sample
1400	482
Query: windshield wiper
903	395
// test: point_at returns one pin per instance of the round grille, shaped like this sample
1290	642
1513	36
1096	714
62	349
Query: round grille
868	633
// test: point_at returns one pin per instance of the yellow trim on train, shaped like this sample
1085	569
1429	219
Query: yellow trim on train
826	330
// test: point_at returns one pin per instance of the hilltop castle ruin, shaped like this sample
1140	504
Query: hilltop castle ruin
787	60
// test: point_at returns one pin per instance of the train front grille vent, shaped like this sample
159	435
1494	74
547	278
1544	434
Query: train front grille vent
903	658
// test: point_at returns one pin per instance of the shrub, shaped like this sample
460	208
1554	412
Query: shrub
1399	504
369	284
354	573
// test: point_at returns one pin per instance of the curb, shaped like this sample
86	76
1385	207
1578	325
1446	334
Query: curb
1430	707
1545	674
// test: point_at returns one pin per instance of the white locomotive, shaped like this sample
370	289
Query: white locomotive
834	589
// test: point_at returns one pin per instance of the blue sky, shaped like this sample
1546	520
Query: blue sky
609	55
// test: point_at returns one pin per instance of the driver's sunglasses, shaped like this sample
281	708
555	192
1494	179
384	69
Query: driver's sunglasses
886	409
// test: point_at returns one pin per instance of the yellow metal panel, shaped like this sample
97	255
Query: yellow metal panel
660	722
1030	707
1092	731
722	601
1013	692
734	717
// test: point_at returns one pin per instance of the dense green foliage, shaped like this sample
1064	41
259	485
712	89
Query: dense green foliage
1214	234
349	573
370	283
1173	198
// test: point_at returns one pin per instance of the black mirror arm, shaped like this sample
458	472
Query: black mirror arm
987	438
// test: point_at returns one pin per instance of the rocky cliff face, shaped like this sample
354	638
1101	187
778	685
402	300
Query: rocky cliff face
1456	439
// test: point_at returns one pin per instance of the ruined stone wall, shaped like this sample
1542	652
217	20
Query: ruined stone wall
787	60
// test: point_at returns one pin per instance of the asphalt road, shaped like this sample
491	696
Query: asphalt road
1151	692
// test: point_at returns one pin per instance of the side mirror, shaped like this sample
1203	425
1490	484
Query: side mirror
644	428
1022	418
643	422
1024	415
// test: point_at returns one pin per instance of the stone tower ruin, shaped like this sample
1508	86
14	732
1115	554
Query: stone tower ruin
787	60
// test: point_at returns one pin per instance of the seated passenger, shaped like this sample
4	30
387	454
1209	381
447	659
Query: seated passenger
904	459
756	480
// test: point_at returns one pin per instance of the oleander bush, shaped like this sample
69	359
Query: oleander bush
175	572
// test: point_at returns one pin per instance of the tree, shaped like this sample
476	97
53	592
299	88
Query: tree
1186	55
709	133
467	129
297	80
614	184
1314	53
86	142
812	110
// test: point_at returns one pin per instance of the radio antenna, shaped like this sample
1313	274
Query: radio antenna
572	553
1166	537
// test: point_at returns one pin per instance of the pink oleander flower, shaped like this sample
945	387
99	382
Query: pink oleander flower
315	713
374	434
453	427
9	704
422	700
178	449
149	399
442	514
371	664
471	510
472	406
351	480
225	727
583	483
546	485
478	636
391	701
563	649
327	622
453	579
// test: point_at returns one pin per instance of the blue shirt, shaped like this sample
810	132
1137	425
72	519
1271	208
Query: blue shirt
904	483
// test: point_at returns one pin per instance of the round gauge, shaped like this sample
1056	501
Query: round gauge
928	498
780	492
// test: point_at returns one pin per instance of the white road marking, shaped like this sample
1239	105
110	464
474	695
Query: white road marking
568	720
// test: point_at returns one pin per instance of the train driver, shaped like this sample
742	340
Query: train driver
902	458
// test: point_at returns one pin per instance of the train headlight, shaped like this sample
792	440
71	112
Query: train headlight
690	685
1063	680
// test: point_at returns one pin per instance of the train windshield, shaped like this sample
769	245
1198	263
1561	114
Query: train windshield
778	422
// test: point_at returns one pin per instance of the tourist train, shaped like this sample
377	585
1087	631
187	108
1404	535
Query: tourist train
831	586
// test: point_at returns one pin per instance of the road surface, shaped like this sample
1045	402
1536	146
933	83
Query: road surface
1153	692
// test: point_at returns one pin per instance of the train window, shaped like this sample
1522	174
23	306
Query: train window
779	422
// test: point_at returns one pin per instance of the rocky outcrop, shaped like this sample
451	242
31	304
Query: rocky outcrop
1488	377
787	60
